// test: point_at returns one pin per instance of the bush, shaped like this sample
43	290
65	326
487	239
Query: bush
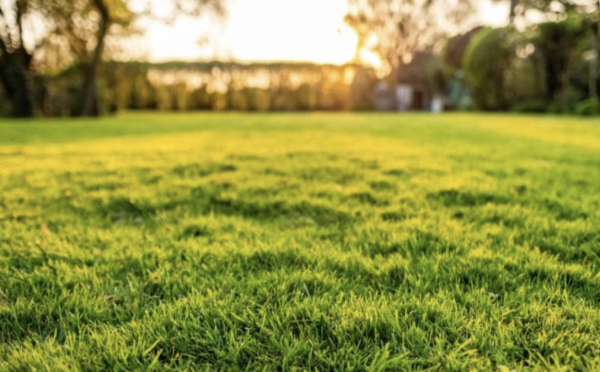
533	106
567	101
486	62
589	107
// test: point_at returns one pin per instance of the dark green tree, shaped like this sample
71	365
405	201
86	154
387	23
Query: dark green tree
486	66
16	72
559	10
556	44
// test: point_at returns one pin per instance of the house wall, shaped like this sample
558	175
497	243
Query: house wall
404	96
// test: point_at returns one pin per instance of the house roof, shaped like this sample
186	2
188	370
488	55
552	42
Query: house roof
415	72
457	46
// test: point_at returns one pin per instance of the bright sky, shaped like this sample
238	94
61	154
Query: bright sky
266	30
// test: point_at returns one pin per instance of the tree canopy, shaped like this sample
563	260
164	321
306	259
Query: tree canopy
81	28
395	30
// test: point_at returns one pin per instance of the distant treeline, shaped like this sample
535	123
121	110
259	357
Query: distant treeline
548	67
187	86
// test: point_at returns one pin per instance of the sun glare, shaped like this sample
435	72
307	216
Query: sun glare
305	30
270	30
260	30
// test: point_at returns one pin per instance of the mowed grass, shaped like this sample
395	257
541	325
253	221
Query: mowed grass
373	242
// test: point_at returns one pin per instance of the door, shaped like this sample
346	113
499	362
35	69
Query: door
418	102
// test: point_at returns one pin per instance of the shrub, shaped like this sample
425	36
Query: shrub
532	106
486	62
589	107
567	101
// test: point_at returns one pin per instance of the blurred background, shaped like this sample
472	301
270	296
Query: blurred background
97	57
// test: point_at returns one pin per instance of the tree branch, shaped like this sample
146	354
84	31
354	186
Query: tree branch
102	31
3	45
19	19
89	94
7	40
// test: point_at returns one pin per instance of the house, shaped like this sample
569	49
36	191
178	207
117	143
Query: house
413	90
422	84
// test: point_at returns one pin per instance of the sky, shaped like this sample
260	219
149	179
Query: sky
302	30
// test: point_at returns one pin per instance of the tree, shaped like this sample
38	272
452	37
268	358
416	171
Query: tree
556	43
559	10
86	25
16	73
486	64
88	104
394	30
519	8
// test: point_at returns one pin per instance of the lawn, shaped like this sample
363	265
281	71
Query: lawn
284	242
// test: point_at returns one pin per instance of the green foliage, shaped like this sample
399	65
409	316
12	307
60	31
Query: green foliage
556	46
544	63
551	8
568	99
486	64
456	47
342	242
59	94
533	106
589	107
505	69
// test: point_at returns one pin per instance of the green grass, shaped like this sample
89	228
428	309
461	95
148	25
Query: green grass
300	242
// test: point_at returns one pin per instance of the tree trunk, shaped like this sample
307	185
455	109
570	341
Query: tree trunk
18	85
88	104
16	78
513	11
